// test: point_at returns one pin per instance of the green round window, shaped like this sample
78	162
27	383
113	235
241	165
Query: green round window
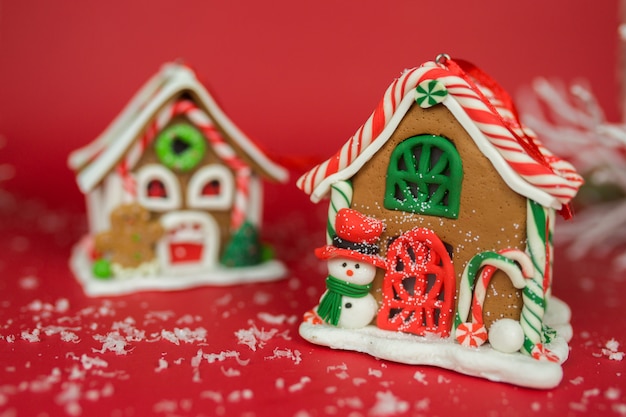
180	147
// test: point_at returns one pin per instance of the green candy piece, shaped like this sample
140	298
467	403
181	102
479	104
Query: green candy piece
430	93
102	269
180	147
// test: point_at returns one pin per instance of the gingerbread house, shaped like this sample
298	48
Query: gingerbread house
174	162
467	196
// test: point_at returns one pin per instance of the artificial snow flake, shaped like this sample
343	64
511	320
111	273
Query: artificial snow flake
222	356
619	409
162	365
423	404
69	396
577	381
278	319
112	341
351	402
154	316
294	355
185	335
420	377
68	336
298	386
188	319
610	350
165	406
239	395
388	404
359	381
29	282
254	337
31	336
230	372
612	394
212	395
89	362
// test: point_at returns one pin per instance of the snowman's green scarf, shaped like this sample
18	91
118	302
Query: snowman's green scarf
330	305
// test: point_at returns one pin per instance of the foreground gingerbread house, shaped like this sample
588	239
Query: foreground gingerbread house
175	162
467	197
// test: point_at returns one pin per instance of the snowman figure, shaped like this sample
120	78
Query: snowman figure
352	261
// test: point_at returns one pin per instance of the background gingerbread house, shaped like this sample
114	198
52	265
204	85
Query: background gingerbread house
173	151
467	196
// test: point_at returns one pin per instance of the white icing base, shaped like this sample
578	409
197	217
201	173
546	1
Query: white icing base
485	362
81	266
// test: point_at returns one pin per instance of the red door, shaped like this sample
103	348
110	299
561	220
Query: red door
419	285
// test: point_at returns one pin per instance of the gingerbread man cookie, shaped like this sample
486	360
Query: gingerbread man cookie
130	241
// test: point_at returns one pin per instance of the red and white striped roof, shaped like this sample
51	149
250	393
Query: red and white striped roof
551	182
94	161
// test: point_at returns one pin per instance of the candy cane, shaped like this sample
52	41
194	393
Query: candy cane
474	333
340	197
129	184
557	178
540	224
223	150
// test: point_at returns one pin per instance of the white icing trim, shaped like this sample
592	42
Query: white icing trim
221	201
255	201
111	145
157	172
94	208
189	227
217	275
510	177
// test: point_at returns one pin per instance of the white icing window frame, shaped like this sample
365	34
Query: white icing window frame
152	172
222	201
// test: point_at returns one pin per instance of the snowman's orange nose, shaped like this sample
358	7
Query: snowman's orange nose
349	272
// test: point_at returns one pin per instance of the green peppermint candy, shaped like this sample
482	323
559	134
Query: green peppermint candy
429	93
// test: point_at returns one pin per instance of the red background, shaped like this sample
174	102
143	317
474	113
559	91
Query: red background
299	77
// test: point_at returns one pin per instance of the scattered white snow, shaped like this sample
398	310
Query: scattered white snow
388	404
611	350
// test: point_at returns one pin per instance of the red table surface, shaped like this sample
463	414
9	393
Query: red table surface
252	362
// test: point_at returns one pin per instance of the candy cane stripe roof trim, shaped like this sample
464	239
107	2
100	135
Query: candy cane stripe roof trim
95	160
550	186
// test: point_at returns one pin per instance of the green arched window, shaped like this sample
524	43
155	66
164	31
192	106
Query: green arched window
424	176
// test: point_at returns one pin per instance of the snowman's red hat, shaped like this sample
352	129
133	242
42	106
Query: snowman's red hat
357	238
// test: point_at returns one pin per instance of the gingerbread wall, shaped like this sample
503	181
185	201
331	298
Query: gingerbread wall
491	215
222	217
